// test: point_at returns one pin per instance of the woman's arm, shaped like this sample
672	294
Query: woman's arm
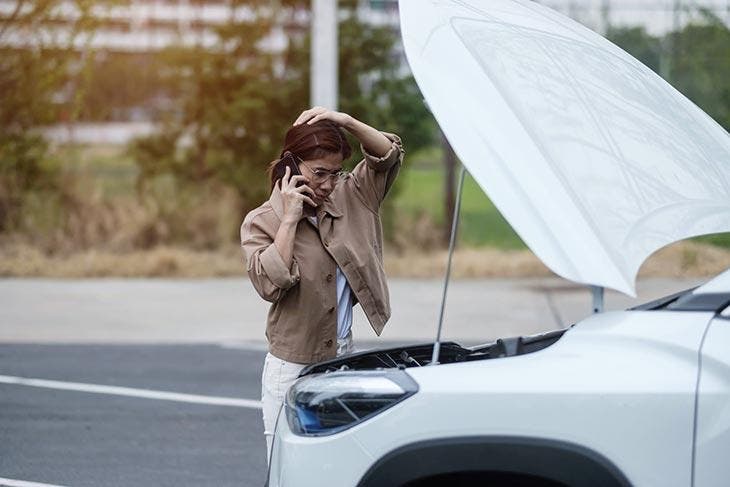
270	262
268	273
372	140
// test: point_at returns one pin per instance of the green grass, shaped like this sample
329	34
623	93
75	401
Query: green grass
108	167
718	239
421	188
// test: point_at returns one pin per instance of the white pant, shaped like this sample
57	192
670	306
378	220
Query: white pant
277	377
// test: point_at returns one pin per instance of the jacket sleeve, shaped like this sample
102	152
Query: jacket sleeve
374	176
266	269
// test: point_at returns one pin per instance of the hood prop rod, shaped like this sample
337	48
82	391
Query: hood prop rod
452	244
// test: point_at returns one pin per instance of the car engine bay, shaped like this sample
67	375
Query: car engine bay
420	355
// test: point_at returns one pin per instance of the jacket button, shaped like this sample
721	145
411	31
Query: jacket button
331	310
329	277
326	243
328	343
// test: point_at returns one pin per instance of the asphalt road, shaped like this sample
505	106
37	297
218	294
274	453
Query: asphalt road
77	438
156	383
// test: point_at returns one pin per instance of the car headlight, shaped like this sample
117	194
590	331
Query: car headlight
327	403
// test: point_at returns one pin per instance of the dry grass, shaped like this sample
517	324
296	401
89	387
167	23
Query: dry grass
484	262
686	259
97	225
17	261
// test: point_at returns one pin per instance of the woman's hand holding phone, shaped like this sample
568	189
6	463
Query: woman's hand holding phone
294	194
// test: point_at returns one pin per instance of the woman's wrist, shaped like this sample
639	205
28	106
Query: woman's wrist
284	239
350	122
289	221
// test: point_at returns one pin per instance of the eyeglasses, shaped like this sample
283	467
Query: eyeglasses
321	175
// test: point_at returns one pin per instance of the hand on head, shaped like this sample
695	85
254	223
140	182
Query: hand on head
315	114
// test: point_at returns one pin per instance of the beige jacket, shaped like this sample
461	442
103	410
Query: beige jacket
302	321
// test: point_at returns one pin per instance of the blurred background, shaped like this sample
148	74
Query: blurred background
135	134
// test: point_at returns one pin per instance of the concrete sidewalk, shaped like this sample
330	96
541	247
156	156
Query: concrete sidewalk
229	312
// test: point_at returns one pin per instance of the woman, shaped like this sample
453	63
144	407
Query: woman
314	249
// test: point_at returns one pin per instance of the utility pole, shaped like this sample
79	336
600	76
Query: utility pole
323	57
573	10
665	60
605	16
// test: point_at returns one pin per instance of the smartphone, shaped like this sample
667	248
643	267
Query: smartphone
280	169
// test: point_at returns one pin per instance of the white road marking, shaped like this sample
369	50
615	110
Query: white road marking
24	483
131	392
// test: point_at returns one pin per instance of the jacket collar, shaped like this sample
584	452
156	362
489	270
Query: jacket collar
328	205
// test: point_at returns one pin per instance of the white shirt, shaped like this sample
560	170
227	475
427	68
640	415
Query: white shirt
344	299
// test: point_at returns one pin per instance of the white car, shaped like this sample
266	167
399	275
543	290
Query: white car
597	163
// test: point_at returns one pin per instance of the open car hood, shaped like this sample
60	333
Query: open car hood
594	160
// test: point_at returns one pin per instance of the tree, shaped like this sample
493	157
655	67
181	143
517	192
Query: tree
234	102
237	100
41	82
124	86
371	85
699	60
698	66
639	43
372	89
701	66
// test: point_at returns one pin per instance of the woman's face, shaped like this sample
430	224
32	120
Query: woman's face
322	174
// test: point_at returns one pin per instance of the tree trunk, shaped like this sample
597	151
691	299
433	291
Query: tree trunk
449	183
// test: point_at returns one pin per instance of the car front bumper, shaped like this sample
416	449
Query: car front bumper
325	461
